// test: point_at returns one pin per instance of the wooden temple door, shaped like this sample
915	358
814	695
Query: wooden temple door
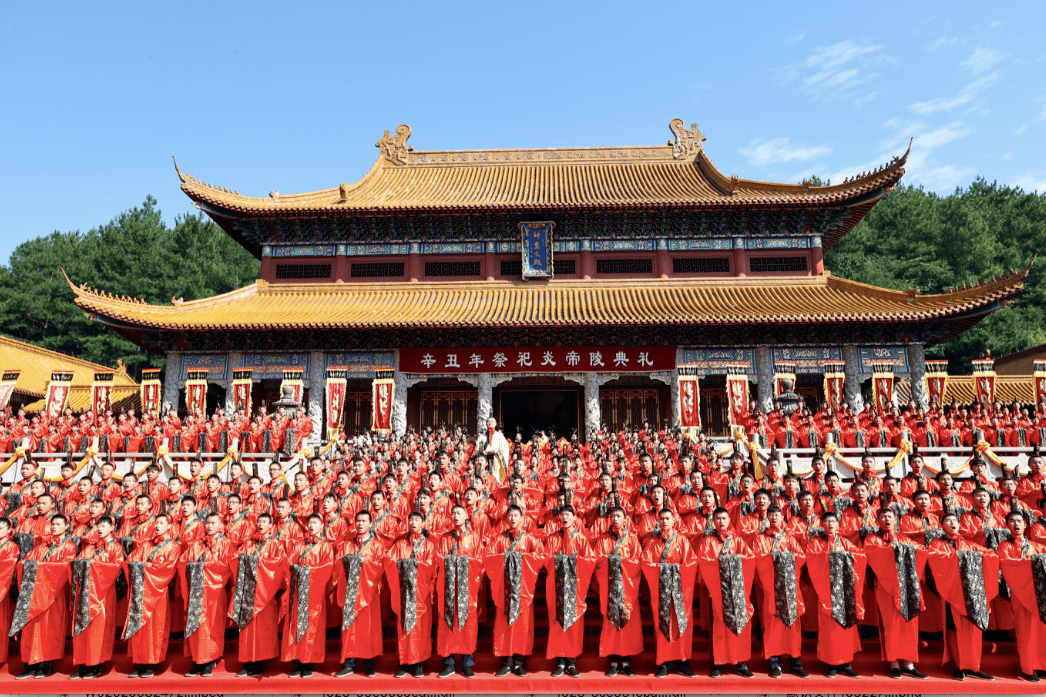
450	409
357	417
629	407
715	414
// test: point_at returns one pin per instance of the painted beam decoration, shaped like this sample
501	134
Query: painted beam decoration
717	361
272	366
808	360
540	359
216	365
537	249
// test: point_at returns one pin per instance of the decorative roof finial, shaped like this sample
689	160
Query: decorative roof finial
688	142
394	148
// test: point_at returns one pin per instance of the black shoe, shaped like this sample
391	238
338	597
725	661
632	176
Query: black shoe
980	675
147	672
30	671
207	669
93	672
913	672
244	672
306	671
798	670
558	670
612	670
79	674
683	668
134	673
1027	677
1041	673
504	670
627	669
194	671
402	672
717	672
849	672
296	673
572	671
959	675
775	669
447	671
419	670
467	672
520	670
346	669
895	673
830	671
662	671
743	671
43	670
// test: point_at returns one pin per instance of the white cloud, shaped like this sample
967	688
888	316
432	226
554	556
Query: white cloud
967	95
945	178
796	39
942	136
1020	130
1006	157
996	23
761	153
982	60
942	42
1031	182
841	72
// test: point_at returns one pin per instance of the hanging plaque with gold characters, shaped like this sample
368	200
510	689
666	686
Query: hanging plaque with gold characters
537	249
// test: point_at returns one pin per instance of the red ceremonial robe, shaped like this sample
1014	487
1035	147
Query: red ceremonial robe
899	636
515	638
94	608
963	644
362	637
658	555
206	642
304	632
628	640
567	643
453	637
1029	611
727	647
414	641
259	617
46	615
8	565
836	645
150	572
778	639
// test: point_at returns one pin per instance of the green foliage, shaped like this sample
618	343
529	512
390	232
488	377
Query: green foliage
918	239
135	254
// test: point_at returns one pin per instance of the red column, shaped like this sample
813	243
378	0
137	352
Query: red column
489	261
818	255
414	267
664	262
588	262
740	259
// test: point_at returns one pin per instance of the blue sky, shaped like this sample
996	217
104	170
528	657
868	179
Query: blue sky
292	96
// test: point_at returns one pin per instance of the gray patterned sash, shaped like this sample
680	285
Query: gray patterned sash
194	576
565	567
408	573
353	566
617	612
25	597
732	587
513	579
136	601
842	583
456	587
971	573
907	580
785	584
81	580
246	589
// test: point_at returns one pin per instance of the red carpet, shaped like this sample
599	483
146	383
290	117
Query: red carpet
875	678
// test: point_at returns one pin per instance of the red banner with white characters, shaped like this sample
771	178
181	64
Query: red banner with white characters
882	385
58	392
381	399
1038	375
336	379
737	392
150	390
540	359
7	386
984	379
689	399
102	391
834	384
196	392
936	380
241	390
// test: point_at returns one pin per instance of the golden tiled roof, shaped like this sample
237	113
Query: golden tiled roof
677	174
299	306
961	388
37	364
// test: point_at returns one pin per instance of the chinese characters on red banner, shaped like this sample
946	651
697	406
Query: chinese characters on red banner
555	359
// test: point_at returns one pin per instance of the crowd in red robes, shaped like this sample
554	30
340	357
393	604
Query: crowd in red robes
419	531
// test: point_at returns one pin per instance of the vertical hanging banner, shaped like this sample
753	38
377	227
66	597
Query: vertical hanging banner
936	380
783	370
7	387
537	249
58	392
384	392
295	378
150	390
102	391
241	390
882	385
1038	376
834	384
984	379
196	392
689	400
336	380
737	392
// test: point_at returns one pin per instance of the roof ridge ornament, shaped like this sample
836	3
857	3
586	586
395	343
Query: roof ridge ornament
688	142
394	148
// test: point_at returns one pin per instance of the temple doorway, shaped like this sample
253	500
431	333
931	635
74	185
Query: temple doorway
528	411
